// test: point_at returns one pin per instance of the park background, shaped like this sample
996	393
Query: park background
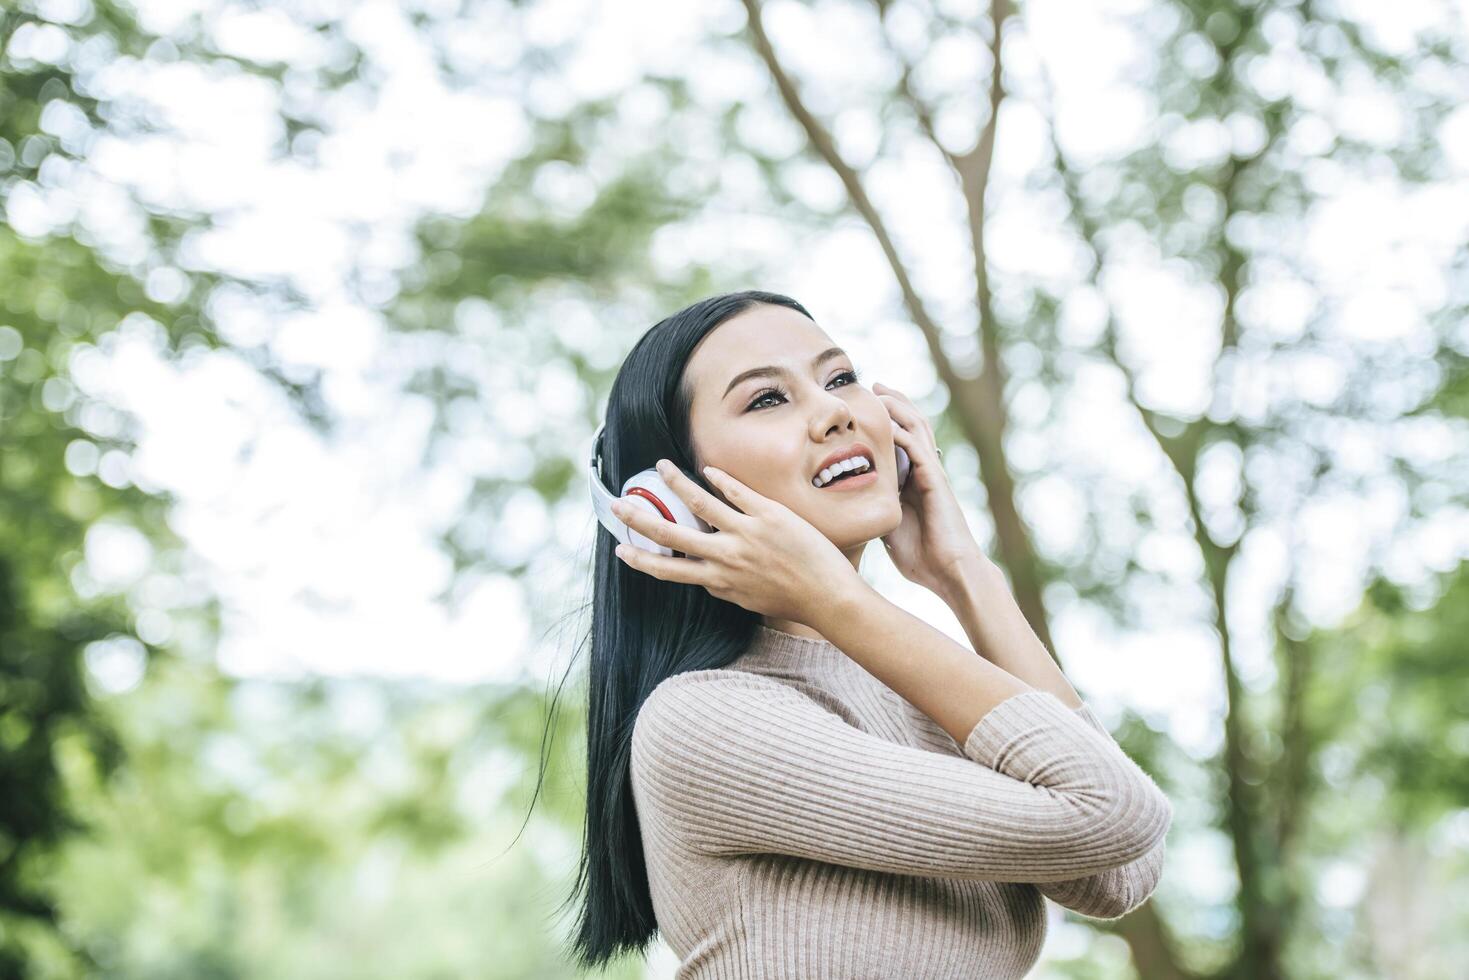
308	311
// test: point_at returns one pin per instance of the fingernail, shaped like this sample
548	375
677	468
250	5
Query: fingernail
663	466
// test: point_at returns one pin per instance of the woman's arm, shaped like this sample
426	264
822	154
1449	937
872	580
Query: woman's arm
985	607
932	671
729	762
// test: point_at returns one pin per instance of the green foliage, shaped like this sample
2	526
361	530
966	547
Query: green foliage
1399	701
331	828
55	294
64	455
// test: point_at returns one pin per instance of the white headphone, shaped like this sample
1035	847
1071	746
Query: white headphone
644	489
647	490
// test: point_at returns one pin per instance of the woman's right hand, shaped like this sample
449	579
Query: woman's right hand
763	557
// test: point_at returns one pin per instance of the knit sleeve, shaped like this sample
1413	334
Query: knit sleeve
1117	891
735	763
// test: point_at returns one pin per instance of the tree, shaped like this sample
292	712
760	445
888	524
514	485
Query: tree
65	292
1223	221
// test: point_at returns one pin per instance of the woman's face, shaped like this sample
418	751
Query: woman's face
772	432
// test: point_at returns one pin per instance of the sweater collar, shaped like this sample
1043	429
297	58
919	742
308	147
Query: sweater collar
788	654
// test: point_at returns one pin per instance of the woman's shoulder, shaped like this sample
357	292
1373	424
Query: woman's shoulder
699	702
699	693
697	685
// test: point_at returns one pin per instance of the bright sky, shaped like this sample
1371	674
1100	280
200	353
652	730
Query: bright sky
323	551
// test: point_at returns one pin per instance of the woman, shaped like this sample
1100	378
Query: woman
789	775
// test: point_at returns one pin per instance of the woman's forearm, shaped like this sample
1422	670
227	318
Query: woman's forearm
985	607
937	675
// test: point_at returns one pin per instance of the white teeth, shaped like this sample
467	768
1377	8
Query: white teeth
837	469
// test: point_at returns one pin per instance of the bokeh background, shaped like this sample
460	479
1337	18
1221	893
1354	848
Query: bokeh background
308	311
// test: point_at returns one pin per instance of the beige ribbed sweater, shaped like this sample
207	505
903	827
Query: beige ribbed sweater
801	820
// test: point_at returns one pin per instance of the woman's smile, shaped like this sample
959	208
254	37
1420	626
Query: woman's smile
851	482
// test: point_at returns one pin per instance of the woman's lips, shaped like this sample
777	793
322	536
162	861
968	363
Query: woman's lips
851	483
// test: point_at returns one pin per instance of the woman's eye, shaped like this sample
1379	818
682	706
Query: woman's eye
851	376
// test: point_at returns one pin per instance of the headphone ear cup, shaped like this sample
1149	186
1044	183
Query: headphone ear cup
649	492
905	465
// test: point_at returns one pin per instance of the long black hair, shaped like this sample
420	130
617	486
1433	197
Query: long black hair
644	629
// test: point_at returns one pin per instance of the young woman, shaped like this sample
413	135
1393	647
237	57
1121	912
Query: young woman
789	775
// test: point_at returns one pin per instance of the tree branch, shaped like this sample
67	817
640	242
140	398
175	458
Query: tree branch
979	402
1242	802
920	108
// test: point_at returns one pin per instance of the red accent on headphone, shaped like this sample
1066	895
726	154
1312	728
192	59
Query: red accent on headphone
652	498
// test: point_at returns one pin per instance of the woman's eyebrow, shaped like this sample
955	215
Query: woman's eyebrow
772	370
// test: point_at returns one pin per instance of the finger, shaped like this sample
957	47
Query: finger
656	528
907	415
903	413
664	567
911	443
892	391
707	507
896	397
748	501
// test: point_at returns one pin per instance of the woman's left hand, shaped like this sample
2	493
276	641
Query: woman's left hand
933	541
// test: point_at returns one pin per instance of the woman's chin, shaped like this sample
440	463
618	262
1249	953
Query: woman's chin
857	529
